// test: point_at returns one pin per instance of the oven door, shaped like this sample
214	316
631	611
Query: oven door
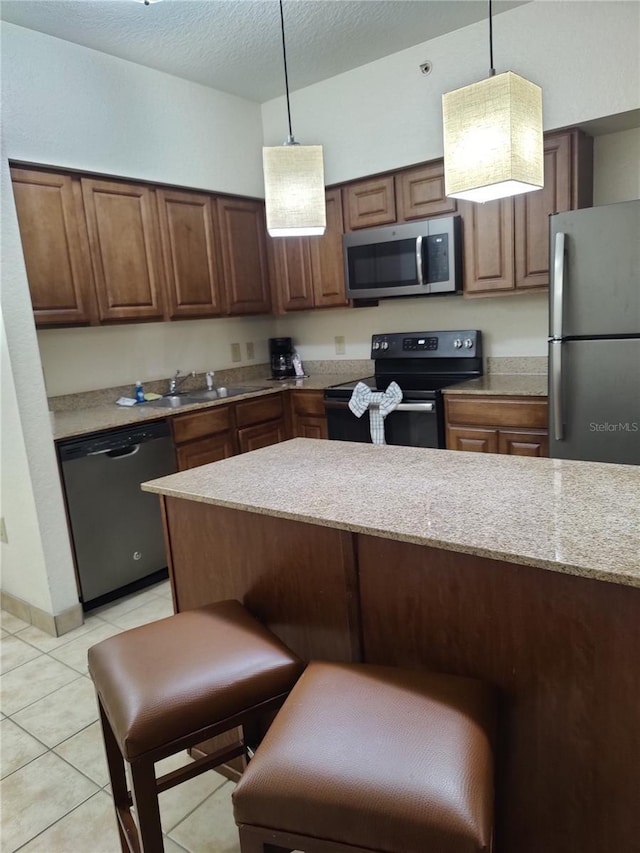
411	424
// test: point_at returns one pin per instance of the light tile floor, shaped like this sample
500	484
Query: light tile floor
55	792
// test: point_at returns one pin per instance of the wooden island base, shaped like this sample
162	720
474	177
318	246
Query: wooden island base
563	651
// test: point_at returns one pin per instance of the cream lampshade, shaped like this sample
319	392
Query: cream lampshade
294	190
493	144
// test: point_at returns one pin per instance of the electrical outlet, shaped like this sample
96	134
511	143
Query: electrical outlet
340	347
236	355
3	532
250	351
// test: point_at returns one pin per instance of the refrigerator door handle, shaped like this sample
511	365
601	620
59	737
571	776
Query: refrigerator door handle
558	285
556	389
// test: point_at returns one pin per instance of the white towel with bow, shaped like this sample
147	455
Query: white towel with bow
379	404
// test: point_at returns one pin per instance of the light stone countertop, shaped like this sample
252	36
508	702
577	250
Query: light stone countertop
580	518
504	385
83	421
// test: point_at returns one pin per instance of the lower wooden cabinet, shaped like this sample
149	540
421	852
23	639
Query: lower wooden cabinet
203	436
308	417
261	435
261	421
511	425
212	434
204	451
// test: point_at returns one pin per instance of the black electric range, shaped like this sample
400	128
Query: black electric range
422	364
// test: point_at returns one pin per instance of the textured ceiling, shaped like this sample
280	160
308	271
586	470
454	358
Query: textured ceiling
235	45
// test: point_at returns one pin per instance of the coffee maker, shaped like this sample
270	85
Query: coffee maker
280	356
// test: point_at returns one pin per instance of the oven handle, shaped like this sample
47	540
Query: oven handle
415	407
401	407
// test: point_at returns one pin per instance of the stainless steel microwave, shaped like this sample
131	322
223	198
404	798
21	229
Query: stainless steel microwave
409	259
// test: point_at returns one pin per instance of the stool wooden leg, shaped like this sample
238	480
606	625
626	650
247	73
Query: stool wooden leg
145	800
119	789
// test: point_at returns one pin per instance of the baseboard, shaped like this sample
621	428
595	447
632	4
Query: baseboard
58	625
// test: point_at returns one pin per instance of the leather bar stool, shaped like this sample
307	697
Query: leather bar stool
175	683
366	758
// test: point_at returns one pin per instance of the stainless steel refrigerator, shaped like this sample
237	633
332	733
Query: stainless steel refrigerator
594	328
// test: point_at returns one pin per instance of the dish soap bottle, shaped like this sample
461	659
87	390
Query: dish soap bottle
139	392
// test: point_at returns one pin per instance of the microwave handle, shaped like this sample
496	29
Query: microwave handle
419	260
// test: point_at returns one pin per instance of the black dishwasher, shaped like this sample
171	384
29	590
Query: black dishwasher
116	528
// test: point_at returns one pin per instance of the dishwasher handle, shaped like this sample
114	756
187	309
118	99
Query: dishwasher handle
120	453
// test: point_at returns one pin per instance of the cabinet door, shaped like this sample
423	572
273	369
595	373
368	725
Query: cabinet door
266	408
204	451
477	439
369	203
327	258
420	193
262	435
488	246
123	240
310	426
201	424
292	273
532	211
55	247
188	230
244	256
529	443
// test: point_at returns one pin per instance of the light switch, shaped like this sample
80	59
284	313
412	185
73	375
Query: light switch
236	355
250	351
340	346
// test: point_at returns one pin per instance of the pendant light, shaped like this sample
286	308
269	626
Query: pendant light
493	144
293	181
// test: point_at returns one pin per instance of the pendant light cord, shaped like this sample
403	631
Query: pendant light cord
492	70
290	140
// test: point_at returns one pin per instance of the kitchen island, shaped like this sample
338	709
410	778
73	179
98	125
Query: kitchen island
523	572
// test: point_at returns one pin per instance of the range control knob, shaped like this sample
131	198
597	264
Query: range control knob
468	343
376	345
457	343
384	345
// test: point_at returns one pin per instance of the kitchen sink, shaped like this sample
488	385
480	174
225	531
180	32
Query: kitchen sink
222	392
188	398
173	401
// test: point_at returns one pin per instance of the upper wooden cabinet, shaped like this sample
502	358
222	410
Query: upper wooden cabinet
125	255
327	261
244	255
369	203
189	236
420	193
308	272
506	242
291	275
56	251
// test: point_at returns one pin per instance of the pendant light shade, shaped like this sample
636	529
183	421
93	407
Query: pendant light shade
294	190
493	145
294	194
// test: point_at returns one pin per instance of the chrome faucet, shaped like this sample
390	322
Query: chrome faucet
177	380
